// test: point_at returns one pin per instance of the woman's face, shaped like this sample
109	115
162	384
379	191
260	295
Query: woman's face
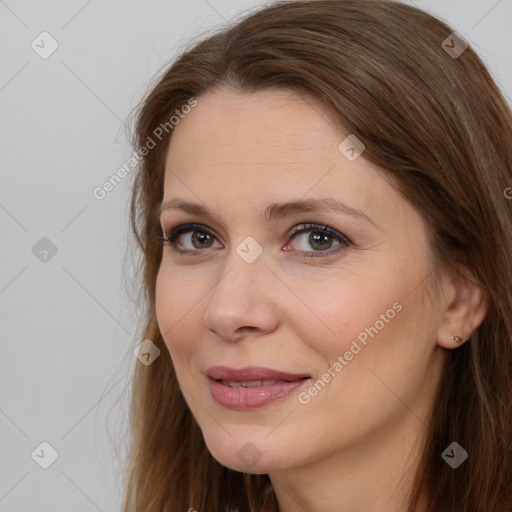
340	307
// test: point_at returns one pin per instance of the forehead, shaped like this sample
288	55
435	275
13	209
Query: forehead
272	145
281	120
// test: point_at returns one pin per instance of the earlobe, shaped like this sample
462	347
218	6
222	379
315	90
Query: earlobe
454	340
465	308
458	339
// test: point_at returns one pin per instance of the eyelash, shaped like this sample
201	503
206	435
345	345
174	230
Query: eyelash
172	234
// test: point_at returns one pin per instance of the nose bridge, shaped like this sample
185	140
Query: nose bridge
245	266
241	297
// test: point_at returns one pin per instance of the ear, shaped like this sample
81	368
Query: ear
465	307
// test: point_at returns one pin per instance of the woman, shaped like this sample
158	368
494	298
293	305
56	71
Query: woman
326	233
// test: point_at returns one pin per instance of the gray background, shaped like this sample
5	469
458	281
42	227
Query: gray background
68	325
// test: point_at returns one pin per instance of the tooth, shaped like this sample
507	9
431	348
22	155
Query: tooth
248	383
251	383
232	384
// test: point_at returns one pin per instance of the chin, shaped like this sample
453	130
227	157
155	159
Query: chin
247	454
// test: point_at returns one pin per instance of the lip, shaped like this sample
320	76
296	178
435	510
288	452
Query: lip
255	396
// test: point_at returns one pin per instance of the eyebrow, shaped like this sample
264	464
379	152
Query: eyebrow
274	210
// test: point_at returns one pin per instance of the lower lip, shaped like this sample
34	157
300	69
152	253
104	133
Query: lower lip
250	398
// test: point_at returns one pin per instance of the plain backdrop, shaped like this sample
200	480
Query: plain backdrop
68	325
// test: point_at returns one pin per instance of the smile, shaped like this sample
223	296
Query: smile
242	389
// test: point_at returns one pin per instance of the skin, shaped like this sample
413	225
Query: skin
354	446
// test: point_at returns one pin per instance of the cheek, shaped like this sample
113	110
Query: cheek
177	303
343	310
383	347
371	322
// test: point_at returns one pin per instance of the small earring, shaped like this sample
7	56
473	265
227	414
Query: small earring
457	339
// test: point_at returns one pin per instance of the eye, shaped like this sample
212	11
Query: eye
320	238
199	237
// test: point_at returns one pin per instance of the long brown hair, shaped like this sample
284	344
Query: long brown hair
439	125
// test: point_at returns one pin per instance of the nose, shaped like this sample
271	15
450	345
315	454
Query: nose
242	301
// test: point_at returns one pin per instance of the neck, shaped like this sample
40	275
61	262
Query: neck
376	475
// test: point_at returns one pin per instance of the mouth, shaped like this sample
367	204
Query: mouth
251	387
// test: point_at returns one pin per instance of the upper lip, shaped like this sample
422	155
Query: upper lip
249	373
